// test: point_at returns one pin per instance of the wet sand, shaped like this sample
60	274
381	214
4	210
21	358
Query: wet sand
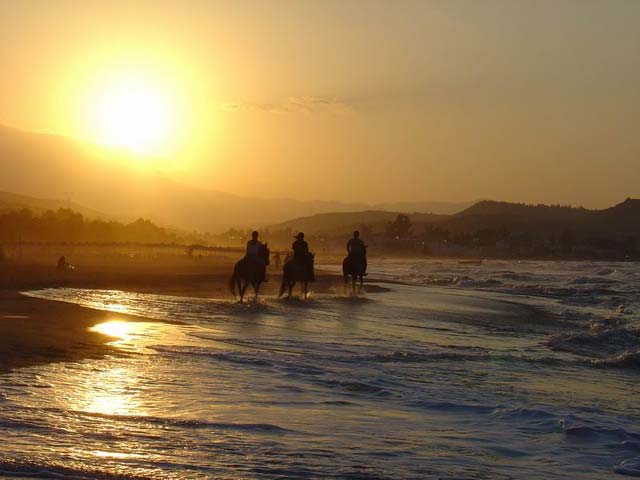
35	331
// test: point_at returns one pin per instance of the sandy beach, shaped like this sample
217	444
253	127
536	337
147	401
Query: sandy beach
35	331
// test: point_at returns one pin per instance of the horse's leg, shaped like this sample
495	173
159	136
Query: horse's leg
256	288
306	289
291	284
361	281
242	289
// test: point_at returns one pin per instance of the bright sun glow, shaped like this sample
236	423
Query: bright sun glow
137	113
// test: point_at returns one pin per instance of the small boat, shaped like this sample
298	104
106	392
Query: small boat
470	262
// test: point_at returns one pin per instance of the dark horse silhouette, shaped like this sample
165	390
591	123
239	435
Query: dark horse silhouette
297	271
353	266
249	272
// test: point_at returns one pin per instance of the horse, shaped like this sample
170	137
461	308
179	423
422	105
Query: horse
353	266
297	271
249	272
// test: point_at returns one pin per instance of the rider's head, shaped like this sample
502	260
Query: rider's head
356	234
254	235
300	236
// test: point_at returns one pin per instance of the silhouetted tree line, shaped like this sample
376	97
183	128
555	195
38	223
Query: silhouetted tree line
402	236
65	225
564	243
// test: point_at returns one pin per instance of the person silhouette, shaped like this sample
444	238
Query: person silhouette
254	248
357	250
300	248
302	256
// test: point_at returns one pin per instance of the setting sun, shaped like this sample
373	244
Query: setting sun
135	113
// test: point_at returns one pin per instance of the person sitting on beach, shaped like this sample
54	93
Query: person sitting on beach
357	250
63	265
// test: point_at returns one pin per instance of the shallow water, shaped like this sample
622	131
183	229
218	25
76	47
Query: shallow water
468	379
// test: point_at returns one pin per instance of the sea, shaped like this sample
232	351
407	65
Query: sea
440	370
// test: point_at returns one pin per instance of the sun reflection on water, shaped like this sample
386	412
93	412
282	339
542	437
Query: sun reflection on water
112	391
115	328
131	336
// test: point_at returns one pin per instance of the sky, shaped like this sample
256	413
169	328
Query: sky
372	101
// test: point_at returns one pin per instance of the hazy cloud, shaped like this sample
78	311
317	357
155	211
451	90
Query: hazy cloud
301	104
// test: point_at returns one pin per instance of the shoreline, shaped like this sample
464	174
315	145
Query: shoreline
35	331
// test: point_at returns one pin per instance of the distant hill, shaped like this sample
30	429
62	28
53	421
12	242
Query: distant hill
622	219
439	208
342	223
49	166
13	201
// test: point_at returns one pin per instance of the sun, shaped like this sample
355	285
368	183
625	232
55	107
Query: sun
136	113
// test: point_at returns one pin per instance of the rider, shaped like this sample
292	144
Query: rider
301	254
254	247
356	249
300	248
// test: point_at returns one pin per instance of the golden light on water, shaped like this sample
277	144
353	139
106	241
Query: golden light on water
115	328
112	391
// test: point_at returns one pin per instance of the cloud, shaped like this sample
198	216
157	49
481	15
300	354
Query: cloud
302	104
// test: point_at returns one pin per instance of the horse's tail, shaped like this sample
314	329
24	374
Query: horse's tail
232	283
346	267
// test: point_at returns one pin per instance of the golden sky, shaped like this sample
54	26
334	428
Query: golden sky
344	100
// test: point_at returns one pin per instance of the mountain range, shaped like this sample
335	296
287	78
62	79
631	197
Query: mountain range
620	220
97	180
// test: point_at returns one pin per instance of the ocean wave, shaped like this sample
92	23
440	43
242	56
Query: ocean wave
21	469
629	359
357	387
453	407
629	467
592	280
604	271
232	357
519	277
479	356
466	282
412	357
598	344
527	414
187	423
600	433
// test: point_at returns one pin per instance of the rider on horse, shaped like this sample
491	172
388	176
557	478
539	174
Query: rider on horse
254	248
301	254
357	251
